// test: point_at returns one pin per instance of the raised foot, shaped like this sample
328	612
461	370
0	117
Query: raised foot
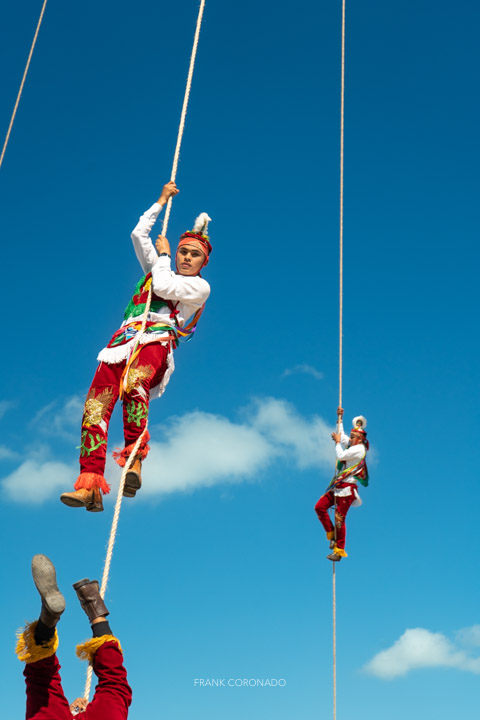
89	499
133	479
334	557
45	579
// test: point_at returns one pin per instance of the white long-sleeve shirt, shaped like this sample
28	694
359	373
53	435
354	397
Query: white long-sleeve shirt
188	293
350	455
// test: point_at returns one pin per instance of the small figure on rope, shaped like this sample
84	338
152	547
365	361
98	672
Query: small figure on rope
136	366
37	645
343	489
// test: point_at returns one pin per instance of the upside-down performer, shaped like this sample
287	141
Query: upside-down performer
343	489
138	369
37	645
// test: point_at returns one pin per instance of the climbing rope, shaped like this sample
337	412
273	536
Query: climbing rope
340	348
22	83
184	111
131	459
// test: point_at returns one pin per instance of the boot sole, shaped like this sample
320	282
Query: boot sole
72	502
45	579
133	481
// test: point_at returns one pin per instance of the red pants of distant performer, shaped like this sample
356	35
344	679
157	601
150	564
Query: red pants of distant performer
343	506
113	695
146	371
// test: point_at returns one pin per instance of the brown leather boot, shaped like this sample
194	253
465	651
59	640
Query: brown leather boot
45	579
90	598
89	499
133	479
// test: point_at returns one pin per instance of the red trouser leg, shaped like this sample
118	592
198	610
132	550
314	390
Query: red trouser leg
146	371
101	399
343	506
45	698
321	508
113	694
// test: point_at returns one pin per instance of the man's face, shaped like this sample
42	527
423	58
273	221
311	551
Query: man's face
355	438
189	259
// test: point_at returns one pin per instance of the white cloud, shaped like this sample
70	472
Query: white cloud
469	636
303	369
60	418
419	648
7	454
36	481
201	449
194	450
308	441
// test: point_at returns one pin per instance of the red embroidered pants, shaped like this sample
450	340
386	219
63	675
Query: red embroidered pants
146	371
113	695
343	506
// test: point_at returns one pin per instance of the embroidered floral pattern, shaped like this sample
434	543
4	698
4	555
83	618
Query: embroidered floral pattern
136	412
339	519
96	407
137	374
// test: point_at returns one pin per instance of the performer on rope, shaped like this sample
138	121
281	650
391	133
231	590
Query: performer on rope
343	491
37	645
137	376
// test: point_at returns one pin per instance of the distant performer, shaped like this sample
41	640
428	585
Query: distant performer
138	375
37	646
343	490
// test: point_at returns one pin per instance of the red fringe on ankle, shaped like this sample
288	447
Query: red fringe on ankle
121	456
89	480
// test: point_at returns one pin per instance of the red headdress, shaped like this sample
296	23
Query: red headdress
198	237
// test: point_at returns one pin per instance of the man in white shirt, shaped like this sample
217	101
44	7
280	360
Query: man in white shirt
343	490
135	368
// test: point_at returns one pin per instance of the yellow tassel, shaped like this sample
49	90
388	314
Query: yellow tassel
330	535
27	649
90	647
340	552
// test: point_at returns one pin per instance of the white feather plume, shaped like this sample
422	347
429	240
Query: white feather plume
360	420
201	224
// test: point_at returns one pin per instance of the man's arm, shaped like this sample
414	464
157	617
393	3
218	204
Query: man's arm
142	241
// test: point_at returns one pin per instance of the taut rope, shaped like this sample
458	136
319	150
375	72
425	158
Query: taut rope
118	504
22	83
340	348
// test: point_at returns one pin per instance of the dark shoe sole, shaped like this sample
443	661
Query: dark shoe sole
133	480
45	579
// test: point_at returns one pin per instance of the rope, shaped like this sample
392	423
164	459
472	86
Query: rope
22	83
340	348
131	459
184	112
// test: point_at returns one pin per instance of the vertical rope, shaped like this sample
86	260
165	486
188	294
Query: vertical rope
118	504
340	343
22	83
184	112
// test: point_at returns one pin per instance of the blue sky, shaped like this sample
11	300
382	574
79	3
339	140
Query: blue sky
219	568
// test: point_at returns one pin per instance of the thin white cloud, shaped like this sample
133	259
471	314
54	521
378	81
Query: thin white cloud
420	648
7	454
36	481
60	418
5	406
469	636
303	369
195	450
